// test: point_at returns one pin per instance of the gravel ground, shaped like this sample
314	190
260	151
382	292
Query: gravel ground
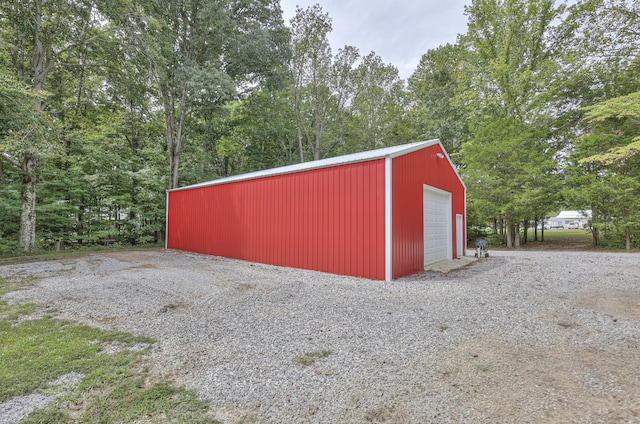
524	336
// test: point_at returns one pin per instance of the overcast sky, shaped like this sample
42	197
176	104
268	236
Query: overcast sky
399	31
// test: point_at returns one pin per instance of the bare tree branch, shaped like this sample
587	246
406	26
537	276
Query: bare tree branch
7	157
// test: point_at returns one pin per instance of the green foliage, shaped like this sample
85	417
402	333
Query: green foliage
259	133
208	53
377	116
512	48
9	209
434	87
119	101
509	172
614	236
616	123
16	114
343	103
605	171
505	75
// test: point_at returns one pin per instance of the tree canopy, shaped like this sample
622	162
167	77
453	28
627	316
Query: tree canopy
106	104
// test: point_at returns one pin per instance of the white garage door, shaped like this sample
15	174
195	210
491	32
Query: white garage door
437	225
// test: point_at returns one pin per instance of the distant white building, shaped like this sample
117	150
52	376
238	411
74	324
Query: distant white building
566	219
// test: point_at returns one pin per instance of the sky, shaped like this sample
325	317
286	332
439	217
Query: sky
399	31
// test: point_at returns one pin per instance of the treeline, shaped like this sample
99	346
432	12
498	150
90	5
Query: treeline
106	104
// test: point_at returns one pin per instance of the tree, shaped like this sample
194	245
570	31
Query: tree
41	38
20	125
206	52
509	62
599	61
311	69
433	88
260	133
601	76
509	174
606	170
343	103
379	105
605	33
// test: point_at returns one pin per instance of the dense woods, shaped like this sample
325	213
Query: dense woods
106	104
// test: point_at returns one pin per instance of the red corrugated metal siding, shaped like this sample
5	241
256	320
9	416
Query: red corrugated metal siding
328	219
409	173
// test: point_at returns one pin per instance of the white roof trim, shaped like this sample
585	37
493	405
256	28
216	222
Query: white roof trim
574	214
387	152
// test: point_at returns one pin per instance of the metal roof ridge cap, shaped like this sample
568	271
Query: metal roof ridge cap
281	170
318	164
413	147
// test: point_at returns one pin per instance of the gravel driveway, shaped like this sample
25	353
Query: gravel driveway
526	337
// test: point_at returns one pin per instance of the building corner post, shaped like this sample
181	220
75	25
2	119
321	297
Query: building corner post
388	209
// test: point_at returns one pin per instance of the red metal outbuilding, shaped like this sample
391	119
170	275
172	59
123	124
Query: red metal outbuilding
381	214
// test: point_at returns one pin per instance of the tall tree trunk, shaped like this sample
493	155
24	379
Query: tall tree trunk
41	63
174	163
296	109
627	236
300	145
225	166
317	134
28	211
316	149
177	130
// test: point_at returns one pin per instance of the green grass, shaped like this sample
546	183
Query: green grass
310	358
115	388
74	252
561	237
7	286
